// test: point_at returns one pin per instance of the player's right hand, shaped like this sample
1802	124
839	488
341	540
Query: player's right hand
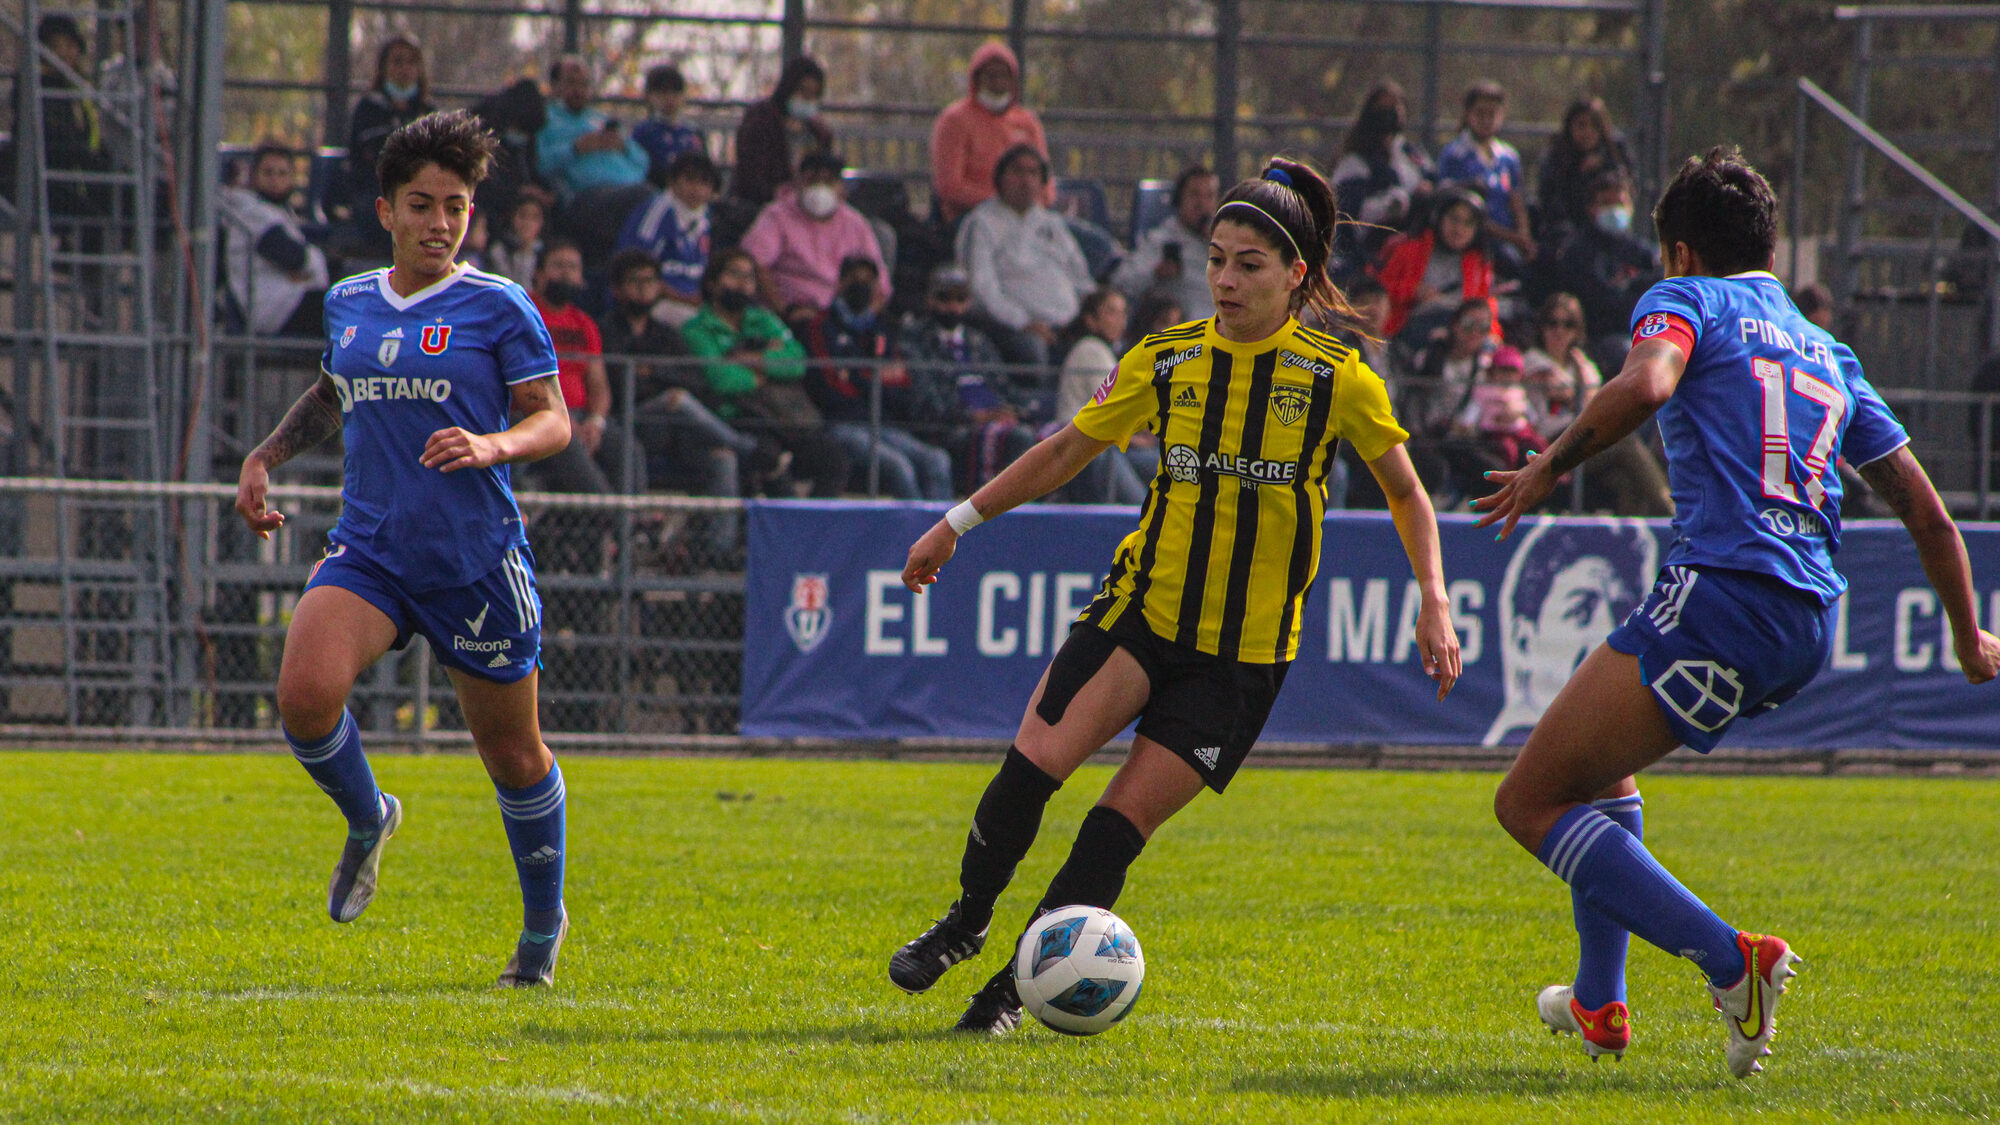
928	555
251	485
1980	660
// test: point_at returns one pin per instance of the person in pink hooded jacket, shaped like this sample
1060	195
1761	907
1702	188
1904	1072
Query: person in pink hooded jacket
971	133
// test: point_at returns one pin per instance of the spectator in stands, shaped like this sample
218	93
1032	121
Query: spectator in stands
582	149
803	236
1382	177
675	431
1480	160
1116	476
1557	370
401	93
957	397
516	115
663	134
1155	312
852	327
1608	268
1498	419
1028	274
1173	256
1429	275
1628	479
277	279
596	457
72	127
971	134
779	131
1815	303
514	252
1581	151
756	370
1368	332
1448	369
676	231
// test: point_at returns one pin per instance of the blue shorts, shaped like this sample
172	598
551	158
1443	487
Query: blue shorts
491	629
1715	645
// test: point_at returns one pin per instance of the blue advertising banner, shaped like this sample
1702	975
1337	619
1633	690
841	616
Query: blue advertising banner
835	647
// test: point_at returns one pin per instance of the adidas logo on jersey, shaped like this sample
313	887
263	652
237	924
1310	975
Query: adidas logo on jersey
1208	755
1187	398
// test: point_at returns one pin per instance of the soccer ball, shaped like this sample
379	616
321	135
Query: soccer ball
1078	969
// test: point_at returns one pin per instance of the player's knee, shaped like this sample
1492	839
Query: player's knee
516	763
309	707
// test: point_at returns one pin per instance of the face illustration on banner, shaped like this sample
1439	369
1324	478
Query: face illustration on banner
1565	589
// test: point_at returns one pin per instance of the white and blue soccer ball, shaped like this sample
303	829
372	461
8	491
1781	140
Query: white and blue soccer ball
1078	969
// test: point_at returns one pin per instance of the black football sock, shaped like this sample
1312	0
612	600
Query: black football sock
1003	828
1094	873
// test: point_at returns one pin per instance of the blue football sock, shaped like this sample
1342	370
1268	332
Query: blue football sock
535	822
1618	877
337	764
1601	942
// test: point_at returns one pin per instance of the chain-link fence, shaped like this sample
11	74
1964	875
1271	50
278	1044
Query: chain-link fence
642	614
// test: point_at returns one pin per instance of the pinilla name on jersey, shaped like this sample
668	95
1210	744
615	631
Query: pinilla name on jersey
1812	351
1165	366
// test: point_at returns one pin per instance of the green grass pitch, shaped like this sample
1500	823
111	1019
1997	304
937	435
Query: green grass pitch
1322	946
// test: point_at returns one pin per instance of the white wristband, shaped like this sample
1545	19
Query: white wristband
964	517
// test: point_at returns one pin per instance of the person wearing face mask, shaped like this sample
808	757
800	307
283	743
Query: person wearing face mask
277	280
1381	178
851	329
780	131
971	133
957	400
675	230
399	95
1581	151
1607	267
801	239
594	460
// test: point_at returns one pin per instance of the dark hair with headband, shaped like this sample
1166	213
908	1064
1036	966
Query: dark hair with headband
1291	207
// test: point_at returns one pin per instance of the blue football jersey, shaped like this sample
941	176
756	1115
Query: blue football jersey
1768	403
407	367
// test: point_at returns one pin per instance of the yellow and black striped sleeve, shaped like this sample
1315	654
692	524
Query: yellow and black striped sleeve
1361	410
1124	402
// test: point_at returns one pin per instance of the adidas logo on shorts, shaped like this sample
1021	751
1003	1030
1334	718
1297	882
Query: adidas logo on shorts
499	661
1208	755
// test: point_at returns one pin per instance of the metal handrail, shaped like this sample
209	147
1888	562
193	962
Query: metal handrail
1901	159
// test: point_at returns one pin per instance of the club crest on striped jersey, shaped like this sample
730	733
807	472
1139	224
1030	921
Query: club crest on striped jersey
435	339
1289	404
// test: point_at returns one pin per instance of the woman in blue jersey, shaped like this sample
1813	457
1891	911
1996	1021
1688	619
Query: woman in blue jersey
438	377
1755	405
1198	619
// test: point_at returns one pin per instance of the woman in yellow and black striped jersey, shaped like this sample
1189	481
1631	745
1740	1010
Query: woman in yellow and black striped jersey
1199	617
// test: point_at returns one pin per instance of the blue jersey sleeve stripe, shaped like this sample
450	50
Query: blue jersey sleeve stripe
549	374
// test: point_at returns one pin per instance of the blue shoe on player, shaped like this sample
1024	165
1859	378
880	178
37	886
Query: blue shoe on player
534	961
353	885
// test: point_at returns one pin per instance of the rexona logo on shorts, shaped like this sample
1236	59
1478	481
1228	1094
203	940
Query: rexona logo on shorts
1165	364
1306	363
1185	464
473	644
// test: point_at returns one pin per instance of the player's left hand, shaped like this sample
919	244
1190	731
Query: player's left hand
928	555
1437	643
452	449
1521	491
1980	660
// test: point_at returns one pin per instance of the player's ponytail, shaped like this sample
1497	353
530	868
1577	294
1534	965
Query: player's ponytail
1292	207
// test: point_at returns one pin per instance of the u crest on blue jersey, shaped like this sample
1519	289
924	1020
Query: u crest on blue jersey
435	339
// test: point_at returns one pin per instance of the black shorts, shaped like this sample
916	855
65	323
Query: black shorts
1207	709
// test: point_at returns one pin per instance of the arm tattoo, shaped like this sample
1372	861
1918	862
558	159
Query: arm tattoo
1892	480
311	420
1571	449
537	394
